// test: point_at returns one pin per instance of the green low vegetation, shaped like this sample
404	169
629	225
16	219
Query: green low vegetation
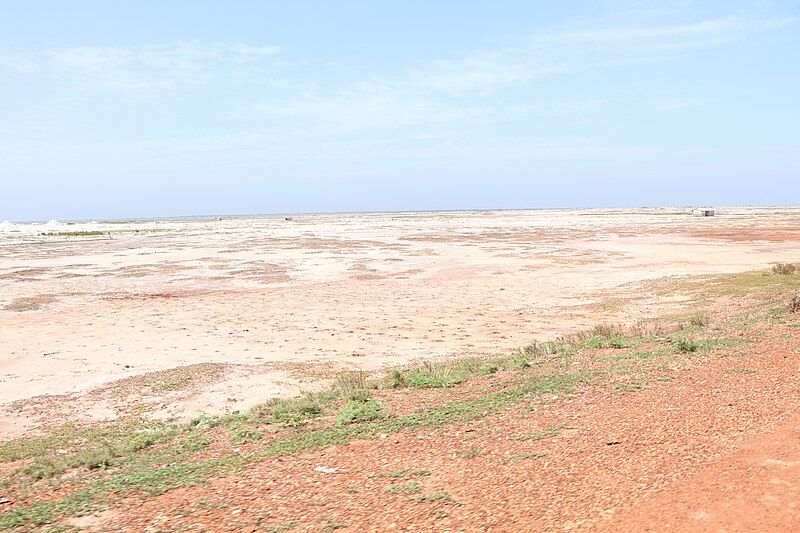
360	410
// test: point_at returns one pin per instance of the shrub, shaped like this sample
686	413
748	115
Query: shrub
784	269
292	412
604	330
396	380
348	382
206	421
794	304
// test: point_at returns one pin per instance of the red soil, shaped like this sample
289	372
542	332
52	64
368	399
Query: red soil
716	448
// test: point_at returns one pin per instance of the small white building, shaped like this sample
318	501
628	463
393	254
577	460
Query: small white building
703	212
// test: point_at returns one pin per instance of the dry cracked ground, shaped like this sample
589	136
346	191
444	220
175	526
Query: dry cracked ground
685	421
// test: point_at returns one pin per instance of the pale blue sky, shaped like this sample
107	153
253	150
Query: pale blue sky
155	108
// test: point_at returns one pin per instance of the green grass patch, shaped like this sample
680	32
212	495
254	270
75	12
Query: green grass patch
616	341
765	285
358	410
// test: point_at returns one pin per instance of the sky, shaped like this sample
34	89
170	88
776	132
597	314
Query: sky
151	108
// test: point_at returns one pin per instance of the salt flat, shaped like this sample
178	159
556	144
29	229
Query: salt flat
182	316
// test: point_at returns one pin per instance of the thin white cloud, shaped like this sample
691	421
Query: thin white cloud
466	87
442	98
143	68
181	55
571	48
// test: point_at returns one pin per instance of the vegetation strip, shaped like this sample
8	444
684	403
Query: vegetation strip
157	480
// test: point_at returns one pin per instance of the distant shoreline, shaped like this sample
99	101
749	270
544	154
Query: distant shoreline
213	217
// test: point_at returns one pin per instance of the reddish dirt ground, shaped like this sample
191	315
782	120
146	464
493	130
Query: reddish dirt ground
717	448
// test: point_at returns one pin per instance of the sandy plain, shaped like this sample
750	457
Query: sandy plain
177	317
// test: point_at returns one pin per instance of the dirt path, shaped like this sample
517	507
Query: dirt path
715	448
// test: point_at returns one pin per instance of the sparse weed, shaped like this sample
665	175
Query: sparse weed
699	320
489	368
407	472
408	488
686	346
440	496
331	524
552	431
242	433
794	304
470	453
517	457
143	440
280	528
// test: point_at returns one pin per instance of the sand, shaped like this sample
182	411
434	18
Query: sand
186	316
